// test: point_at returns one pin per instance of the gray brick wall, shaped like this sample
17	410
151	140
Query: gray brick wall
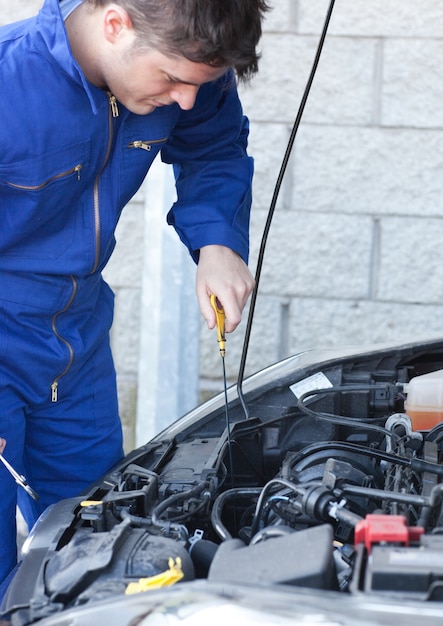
355	249
124	273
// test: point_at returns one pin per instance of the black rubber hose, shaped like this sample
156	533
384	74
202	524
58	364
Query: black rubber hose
219	504
416	465
163	506
271	212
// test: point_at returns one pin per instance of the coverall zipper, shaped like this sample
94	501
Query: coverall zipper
145	145
113	112
77	169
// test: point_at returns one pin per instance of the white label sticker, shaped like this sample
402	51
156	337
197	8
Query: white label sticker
316	381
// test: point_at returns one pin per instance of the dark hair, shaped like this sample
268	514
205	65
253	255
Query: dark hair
214	32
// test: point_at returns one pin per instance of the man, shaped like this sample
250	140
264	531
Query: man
91	92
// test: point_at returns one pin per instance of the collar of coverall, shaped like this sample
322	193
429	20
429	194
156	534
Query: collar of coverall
68	6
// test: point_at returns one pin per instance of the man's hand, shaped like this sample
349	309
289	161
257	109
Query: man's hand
222	272
2	444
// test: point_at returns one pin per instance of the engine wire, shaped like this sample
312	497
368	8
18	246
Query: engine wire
415	464
271	212
344	420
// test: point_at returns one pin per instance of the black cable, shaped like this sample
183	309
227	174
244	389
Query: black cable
343	420
181	531
383	494
416	465
281	482
273	205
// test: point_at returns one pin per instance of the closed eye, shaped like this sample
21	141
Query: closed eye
177	81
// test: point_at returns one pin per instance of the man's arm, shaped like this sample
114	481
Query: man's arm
213	179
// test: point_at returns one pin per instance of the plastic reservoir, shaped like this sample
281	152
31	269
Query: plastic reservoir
424	403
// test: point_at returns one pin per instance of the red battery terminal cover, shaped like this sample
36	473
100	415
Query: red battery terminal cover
376	529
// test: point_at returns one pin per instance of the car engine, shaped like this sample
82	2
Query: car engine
326	485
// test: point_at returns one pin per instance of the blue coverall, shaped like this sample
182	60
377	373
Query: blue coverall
71	158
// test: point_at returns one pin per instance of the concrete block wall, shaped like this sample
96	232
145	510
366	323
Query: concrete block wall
125	273
355	252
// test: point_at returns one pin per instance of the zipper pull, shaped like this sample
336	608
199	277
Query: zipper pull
54	391
114	105
142	145
78	169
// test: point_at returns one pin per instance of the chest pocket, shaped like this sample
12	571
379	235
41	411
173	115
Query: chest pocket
142	139
147	144
40	171
139	154
41	202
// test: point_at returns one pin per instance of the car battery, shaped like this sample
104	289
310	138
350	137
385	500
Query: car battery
412	571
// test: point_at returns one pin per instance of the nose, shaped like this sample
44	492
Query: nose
184	95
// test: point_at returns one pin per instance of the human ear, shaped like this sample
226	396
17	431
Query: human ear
115	22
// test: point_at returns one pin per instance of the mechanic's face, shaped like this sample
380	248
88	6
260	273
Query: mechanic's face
104	43
145	80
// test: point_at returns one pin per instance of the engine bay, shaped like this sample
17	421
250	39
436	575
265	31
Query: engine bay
327	485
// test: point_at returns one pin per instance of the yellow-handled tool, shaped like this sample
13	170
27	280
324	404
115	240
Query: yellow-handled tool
220	321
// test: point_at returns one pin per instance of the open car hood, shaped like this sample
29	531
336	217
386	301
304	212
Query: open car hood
324	504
